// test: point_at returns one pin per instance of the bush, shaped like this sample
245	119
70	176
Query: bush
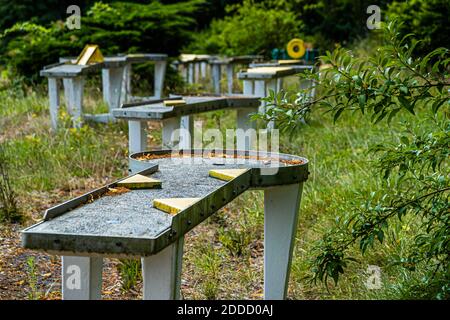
427	19
118	27
252	28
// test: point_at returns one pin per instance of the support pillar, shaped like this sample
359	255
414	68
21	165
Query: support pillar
230	75
161	273
281	208
160	73
81	278
216	76
75	102
137	136
54	101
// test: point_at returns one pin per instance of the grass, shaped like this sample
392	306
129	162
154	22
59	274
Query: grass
224	255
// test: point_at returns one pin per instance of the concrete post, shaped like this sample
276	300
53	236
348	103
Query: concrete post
81	278
216	76
281	208
112	79
245	139
54	101
160	73
230	76
162	273
75	87
137	136
248	87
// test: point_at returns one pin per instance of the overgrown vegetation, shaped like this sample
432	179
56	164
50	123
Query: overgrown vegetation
9	211
415	170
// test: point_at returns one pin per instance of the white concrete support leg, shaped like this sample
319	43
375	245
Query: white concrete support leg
126	84
248	140
160	74
248	87
162	273
75	87
81	278
230	78
54	101
279	84
203	66
216	76
281	208
191	78
260	92
186	132
184	72
137	136
197	72
169	126
112	79
67	97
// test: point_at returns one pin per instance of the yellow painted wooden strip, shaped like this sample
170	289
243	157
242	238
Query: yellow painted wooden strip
90	54
139	181
289	61
269	70
226	174
171	103
174	205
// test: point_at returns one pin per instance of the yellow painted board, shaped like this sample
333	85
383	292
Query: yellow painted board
289	61
267	69
171	103
139	181
174	205
90	54
226	174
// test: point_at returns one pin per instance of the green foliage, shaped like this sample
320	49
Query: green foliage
130	273
415	170
427	19
42	11
119	27
9	211
34	293
250	28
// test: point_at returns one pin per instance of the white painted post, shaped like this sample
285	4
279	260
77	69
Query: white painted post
160	73
161	273
126	84
67	97
279	84
81	278
184	72
196	72
230	75
75	87
260	92
137	136
54	101
203	66
187	132
216	75
281	208
191	73
248	87
249	139
168	127
112	87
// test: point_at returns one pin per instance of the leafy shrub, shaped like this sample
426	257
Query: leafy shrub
8	200
427	19
415	170
119	27
250	28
